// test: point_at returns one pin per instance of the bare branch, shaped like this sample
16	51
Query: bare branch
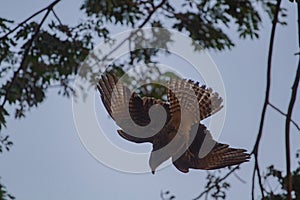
205	192
266	102
140	26
256	170
281	112
268	84
29	18
151	13
56	16
288	119
253	181
239	178
259	178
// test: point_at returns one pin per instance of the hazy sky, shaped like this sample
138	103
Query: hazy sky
48	160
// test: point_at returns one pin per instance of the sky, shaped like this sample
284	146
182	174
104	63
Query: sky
48	160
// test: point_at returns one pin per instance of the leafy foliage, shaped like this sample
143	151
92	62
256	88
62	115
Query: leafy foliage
280	190
124	12
5	142
167	195
219	187
4	195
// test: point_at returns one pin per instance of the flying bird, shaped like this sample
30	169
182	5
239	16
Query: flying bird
173	127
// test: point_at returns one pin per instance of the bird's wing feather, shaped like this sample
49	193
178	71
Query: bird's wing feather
180	95
126	108
218	155
209	101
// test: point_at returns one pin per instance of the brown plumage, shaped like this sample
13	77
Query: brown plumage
182	137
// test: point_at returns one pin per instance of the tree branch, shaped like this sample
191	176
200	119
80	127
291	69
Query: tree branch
268	84
56	16
218	181
140	26
239	178
29	18
288	119
281	112
26	51
259	178
151	13
253	180
267	95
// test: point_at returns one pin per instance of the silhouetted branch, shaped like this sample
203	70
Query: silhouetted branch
151	13
239	178
259	177
252	186
288	119
140	26
281	112
267	95
49	7
217	181
256	169
56	16
268	84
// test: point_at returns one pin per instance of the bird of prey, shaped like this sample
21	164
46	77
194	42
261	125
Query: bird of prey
181	137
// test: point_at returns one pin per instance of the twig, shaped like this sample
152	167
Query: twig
256	169
26	51
140	26
29	18
281	112
239	178
288	119
218	181
267	94
162	195
253	180
151	13
56	16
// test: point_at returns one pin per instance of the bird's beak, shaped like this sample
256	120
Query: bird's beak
153	171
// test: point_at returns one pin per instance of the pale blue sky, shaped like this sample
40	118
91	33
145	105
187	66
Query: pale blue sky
48	160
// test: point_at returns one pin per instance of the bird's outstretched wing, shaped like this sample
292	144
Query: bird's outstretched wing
206	153
127	108
204	99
